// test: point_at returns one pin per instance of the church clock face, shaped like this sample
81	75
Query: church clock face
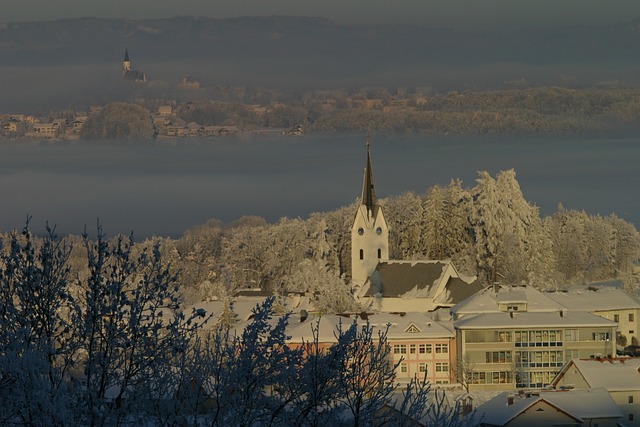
378	231
361	231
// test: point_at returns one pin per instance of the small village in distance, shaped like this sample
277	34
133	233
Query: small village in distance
187	109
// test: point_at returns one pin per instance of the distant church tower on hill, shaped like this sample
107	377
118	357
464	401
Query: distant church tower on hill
369	233
126	64
129	74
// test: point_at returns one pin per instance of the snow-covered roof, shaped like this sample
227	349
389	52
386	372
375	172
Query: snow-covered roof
613	374
434	279
402	325
527	320
592	298
487	300
405	326
579	404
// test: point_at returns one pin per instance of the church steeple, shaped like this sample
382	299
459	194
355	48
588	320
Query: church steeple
126	64
369	233
368	190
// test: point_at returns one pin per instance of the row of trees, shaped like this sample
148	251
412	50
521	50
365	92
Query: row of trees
544	110
488	230
114	348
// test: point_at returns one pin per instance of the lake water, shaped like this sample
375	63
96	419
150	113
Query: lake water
163	190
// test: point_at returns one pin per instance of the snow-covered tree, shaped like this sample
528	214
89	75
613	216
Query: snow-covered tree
131	320
38	344
406	219
509	239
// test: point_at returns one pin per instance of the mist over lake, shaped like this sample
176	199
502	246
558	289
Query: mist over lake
165	189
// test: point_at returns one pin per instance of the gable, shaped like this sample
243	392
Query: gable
544	413
457	290
412	329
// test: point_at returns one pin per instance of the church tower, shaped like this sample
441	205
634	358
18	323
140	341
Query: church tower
126	64
369	234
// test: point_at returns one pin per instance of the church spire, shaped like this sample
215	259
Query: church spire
368	191
369	232
126	64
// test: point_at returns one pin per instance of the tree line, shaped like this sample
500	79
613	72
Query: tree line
541	110
489	230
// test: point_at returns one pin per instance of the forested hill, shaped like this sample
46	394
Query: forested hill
294	39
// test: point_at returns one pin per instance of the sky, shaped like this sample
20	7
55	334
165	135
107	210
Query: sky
449	13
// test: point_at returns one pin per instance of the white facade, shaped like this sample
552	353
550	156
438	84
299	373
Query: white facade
369	233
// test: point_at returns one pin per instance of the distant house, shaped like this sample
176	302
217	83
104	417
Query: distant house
76	125
608	301
550	408
619	376
48	130
165	110
188	82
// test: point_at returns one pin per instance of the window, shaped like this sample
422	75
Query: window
412	349
361	231
631	318
422	367
616	318
630	400
361	254
504	336
442	348
571	335
442	367
403	368
631	332
424	348
601	336
399	349
498	357
379	253
630	417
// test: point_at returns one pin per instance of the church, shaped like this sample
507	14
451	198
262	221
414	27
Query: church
393	285
129	74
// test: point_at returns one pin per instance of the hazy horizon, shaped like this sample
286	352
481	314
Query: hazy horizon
454	13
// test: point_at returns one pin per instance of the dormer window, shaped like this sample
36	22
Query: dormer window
412	329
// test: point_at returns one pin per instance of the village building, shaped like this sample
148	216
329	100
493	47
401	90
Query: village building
608	300
550	408
165	110
517	336
188	83
419	346
619	376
